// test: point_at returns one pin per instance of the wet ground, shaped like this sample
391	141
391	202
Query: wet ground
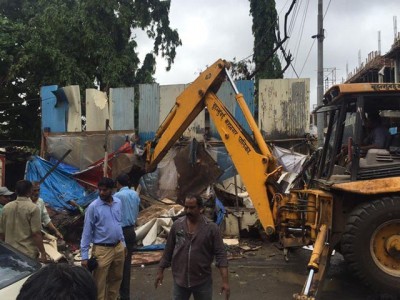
261	274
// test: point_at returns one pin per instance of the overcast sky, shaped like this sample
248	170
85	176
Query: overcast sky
212	29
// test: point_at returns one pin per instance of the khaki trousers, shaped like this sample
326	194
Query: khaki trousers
108	274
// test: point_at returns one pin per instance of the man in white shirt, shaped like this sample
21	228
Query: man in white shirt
44	215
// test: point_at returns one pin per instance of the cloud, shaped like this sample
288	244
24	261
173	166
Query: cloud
212	29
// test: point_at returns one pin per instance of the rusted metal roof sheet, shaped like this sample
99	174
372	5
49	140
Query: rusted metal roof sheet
371	186
53	112
227	96
122	106
149	110
284	107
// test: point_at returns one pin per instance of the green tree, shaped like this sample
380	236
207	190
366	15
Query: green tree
265	25
84	42
264	62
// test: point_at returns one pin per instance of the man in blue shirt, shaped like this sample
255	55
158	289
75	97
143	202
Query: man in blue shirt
130	210
102	227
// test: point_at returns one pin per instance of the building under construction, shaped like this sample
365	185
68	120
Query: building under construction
379	68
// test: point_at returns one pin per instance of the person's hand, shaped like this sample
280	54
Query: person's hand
59	235
344	148
159	278
43	258
84	263
225	288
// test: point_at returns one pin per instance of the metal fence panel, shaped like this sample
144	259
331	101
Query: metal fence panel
122	108
96	110
53	112
149	110
284	107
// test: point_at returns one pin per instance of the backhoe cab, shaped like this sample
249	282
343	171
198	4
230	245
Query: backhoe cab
360	167
347	202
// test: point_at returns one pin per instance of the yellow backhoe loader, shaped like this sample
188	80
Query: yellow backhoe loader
344	199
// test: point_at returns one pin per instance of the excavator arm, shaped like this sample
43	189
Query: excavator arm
251	165
305	212
187	106
252	158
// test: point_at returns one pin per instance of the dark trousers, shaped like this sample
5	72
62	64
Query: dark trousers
130	236
200	292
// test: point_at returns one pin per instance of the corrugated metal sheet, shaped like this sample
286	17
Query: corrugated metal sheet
197	128
149	110
284	107
74	108
158	102
168	95
245	87
96	110
122	108
53	113
227	96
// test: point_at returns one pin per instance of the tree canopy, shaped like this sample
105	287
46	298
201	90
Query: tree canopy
84	42
264	63
265	25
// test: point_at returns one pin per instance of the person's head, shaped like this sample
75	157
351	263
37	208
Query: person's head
59	281
23	188
5	195
374	119
123	180
35	191
193	206
105	186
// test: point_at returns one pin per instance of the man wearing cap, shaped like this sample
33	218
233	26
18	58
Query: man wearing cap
44	215
5	197
20	223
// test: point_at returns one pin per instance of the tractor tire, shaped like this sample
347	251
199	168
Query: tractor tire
371	244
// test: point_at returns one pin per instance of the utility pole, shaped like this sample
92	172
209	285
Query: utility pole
320	79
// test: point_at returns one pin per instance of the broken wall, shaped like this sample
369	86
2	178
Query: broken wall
283	106
87	147
283	112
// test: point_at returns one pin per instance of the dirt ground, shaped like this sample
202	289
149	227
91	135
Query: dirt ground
261	274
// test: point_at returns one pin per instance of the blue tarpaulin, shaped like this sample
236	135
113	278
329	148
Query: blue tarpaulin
151	247
59	187
221	211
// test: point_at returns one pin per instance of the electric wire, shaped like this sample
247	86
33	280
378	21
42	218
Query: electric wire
291	26
301	33
271	27
21	101
308	55
327	7
312	45
13	108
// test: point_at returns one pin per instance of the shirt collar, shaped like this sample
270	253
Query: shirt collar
24	199
106	203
